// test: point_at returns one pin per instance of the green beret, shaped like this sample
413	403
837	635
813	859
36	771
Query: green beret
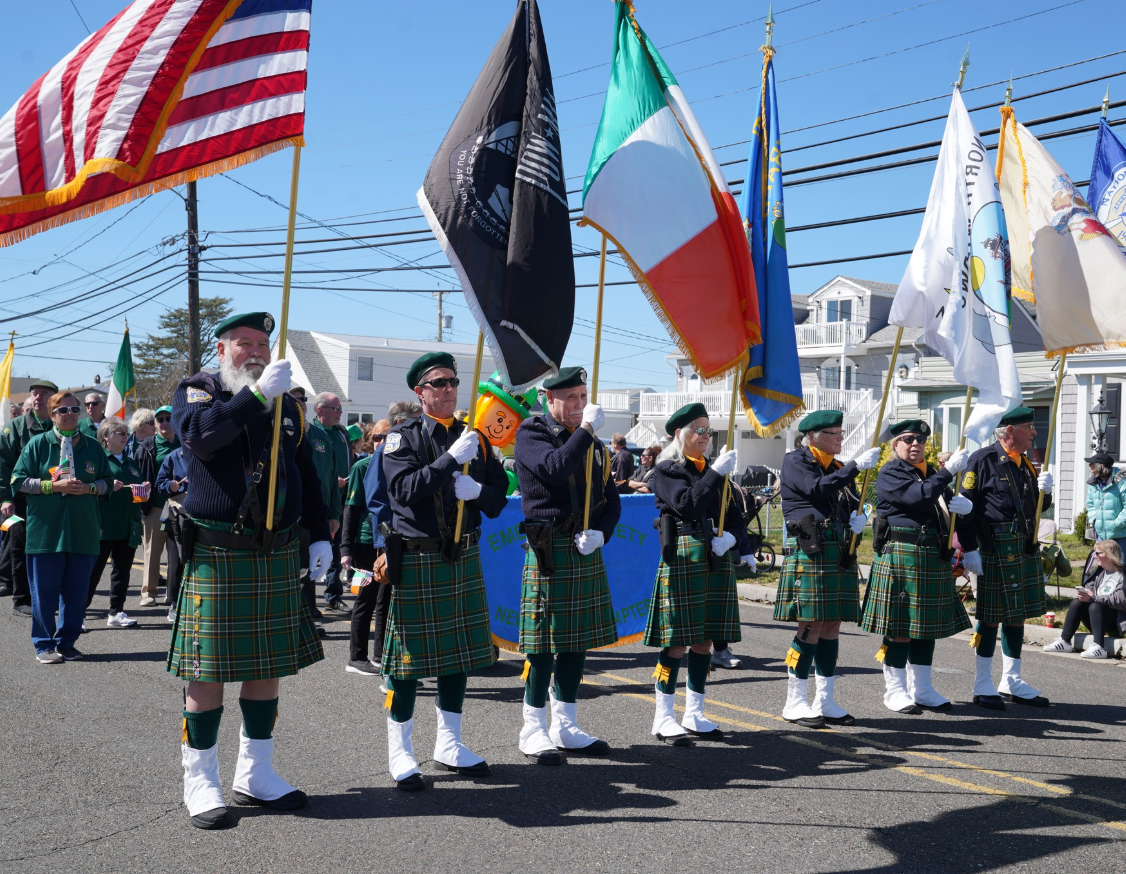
568	377
520	404
819	420
910	426
263	322
355	432
684	416
428	362
44	383
1019	416
164	409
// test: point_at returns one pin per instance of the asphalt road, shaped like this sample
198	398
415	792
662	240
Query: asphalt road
90	776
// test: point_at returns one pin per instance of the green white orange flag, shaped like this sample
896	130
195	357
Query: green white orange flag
655	189
6	386
123	383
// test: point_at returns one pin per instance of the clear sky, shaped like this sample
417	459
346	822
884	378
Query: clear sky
386	79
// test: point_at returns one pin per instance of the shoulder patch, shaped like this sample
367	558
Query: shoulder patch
319	445
393	442
197	396
969	480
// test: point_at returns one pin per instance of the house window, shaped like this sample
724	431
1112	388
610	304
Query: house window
838	311
360	418
366	370
831	377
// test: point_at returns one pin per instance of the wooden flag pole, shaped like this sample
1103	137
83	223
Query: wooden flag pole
282	326
958	479
879	423
1048	448
735	389
594	373
469	424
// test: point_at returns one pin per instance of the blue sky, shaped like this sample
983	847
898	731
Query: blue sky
387	78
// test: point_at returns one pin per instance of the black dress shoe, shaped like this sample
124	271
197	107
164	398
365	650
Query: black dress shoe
990	702
481	769
5	591
22	609
676	740
847	719
808	721
547	757
941	708
217	818
910	710
1038	701
714	734
294	800
337	605
595	748
411	784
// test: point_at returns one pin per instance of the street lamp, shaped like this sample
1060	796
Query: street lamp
1100	418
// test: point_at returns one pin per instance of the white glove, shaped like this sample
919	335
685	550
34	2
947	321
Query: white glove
724	542
465	487
593	416
275	379
957	462
971	561
857	522
1045	482
961	505
589	540
320	559
465	447
725	462
867	459
749	561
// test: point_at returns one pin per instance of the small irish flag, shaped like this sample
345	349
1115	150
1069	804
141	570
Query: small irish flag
656	190
123	383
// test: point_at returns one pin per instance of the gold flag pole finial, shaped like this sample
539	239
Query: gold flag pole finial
770	25
1106	101
965	65
1009	91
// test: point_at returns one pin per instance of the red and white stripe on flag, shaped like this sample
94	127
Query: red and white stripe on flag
166	92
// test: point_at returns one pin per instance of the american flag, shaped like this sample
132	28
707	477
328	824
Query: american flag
166	92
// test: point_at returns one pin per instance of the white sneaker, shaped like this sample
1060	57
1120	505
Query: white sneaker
1094	652
724	658
120	620
1060	645
171	615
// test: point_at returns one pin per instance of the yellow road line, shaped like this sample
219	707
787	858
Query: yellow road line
906	769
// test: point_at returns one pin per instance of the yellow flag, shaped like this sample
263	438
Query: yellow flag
6	385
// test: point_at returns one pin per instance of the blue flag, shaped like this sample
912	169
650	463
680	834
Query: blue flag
771	390
1107	191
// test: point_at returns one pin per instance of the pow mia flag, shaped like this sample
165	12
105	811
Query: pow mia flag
495	199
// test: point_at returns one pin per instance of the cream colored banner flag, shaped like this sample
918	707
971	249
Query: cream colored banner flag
1063	259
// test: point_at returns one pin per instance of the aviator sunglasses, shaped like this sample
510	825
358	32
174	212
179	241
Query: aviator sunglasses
913	438
443	381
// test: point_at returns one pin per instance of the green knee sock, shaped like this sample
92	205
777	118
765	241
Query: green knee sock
825	658
922	652
538	679
258	718
987	640
896	654
1012	640
568	675
699	663
799	666
667	670
451	692
402	694
202	727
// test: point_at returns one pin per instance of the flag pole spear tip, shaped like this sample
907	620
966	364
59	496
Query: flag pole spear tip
769	25
1106	100
965	65
1009	91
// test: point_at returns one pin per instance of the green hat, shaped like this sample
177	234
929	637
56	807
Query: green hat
687	413
521	404
910	426
263	322
426	363
1019	416
44	383
355	432
819	420
568	377
164	409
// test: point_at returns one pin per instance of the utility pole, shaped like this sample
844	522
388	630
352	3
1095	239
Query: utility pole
192	206
440	295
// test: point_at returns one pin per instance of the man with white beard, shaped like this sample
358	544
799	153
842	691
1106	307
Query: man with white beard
240	615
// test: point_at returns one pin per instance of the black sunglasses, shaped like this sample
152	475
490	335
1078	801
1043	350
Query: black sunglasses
914	438
442	382
163	418
378	438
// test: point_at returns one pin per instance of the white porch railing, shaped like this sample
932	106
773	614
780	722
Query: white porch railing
644	434
614	401
832	334
661	405
859	408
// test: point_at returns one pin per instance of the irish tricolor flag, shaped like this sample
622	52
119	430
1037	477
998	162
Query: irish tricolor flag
123	383
655	189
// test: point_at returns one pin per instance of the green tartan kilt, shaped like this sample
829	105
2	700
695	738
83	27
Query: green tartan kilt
911	593
570	611
1012	587
438	622
817	589
690	603
240	616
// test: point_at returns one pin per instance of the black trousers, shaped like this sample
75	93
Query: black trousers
334	585
374	600
121	554
1094	615
13	561
308	590
175	571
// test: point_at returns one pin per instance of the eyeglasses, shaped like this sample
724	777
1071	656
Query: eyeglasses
378	438
1099	554
702	431
443	381
62	411
162	419
330	407
833	433
93	403
913	438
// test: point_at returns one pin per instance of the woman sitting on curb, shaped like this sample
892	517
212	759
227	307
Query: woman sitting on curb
1097	602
